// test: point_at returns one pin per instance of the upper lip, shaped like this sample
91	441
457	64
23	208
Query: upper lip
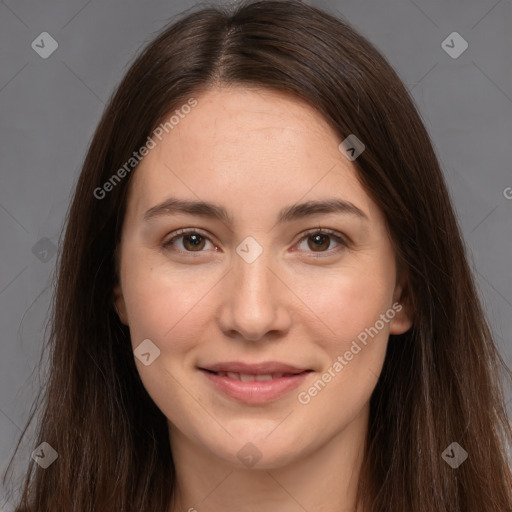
254	369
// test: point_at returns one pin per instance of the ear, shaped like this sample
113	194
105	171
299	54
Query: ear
402	320
119	304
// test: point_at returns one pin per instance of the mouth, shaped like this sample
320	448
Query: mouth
254	384
247	377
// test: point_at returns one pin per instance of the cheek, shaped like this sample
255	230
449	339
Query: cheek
350	300
358	312
161	304
354	346
168	310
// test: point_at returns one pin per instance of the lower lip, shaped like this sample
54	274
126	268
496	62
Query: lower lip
256	392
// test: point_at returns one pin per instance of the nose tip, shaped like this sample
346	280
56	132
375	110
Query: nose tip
253	302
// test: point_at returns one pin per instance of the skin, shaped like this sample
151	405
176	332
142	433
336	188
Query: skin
255	151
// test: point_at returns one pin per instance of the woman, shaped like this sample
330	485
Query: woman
263	300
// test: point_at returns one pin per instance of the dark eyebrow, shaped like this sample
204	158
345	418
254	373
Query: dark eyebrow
287	214
172	206
301	210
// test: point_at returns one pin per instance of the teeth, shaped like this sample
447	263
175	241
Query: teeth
250	378
267	376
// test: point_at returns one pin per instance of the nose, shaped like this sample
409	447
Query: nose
255	301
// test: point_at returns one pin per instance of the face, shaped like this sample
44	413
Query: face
265	322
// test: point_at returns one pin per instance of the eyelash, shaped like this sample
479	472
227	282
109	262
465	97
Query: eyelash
318	231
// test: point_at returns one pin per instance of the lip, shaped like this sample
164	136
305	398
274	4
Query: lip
254	369
256	391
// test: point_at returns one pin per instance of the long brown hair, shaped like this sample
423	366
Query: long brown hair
441	380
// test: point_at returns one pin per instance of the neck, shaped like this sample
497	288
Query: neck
324	479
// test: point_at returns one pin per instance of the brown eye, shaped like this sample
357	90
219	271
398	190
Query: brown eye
320	242
191	241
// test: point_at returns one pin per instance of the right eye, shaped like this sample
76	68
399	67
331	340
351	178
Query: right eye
190	239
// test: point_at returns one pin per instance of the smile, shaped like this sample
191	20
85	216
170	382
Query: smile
246	377
254	384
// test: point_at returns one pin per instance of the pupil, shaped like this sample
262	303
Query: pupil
193	242
195	239
320	241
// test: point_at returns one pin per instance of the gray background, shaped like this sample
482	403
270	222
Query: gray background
50	107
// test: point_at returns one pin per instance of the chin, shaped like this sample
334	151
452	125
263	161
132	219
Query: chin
255	450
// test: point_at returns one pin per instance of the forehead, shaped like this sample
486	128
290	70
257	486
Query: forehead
248	148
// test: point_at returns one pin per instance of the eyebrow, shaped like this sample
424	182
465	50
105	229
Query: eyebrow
287	214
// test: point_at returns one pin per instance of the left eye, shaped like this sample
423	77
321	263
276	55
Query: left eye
319	240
